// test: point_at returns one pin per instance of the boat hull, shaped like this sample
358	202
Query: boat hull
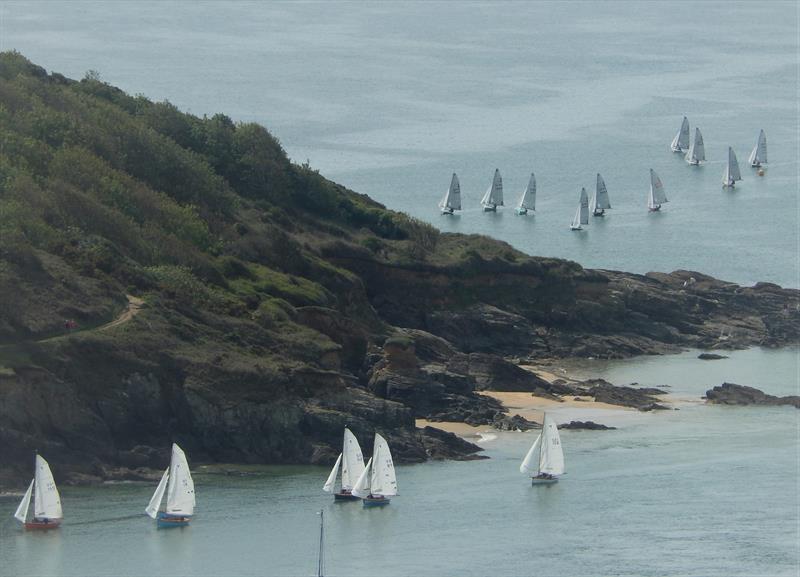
447	211
522	211
42	525
489	208
676	149
167	521
601	213
342	497
376	502
541	481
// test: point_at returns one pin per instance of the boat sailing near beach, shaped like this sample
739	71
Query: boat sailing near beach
732	173
657	195
697	151
600	202
179	486
759	154
528	200
47	512
378	482
582	214
544	461
494	194
681	140
452	200
352	464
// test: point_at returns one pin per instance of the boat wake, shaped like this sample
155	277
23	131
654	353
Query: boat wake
107	520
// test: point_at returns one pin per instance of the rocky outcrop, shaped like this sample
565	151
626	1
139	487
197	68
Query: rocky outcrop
732	394
514	423
585	426
710	357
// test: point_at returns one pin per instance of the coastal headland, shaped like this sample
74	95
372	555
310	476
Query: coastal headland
167	277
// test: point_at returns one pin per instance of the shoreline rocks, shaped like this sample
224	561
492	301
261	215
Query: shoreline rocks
733	394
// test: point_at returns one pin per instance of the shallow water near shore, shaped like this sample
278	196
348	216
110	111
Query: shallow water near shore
704	490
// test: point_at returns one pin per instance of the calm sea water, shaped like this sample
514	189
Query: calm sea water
390	98
705	490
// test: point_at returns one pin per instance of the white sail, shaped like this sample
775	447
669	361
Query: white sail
551	460
352	460
584	207
697	151
494	194
22	510
681	140
759	154
657	194
601	200
328	487
155	500
361	488
734	164
383	480
530	464
528	200
576	220
180	489
452	199
46	500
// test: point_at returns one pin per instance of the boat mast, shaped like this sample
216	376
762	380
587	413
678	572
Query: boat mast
321	558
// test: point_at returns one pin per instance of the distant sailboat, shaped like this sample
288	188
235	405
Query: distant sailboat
352	463
47	512
544	461
657	195
179	486
600	202
528	200
759	154
697	151
732	173
452	200
681	140
378	482
582	214
494	194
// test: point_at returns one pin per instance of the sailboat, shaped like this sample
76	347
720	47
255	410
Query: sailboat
47	512
378	482
582	214
600	202
494	194
179	486
759	154
352	463
528	200
657	195
681	140
544	461
697	151
452	200
732	173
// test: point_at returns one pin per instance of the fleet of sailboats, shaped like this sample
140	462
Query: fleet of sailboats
528	199
731	174
759	154
378	481
494	194
544	461
600	203
47	512
657	195
179	487
352	464
582	214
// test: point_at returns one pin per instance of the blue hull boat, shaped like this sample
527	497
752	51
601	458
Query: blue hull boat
376	502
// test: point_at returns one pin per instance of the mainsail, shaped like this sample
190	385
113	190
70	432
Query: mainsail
528	200
657	194
180	488
759	154
600	200
494	194
732	173
697	151
681	140
452	199
46	500
352	459
383	480
551	460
